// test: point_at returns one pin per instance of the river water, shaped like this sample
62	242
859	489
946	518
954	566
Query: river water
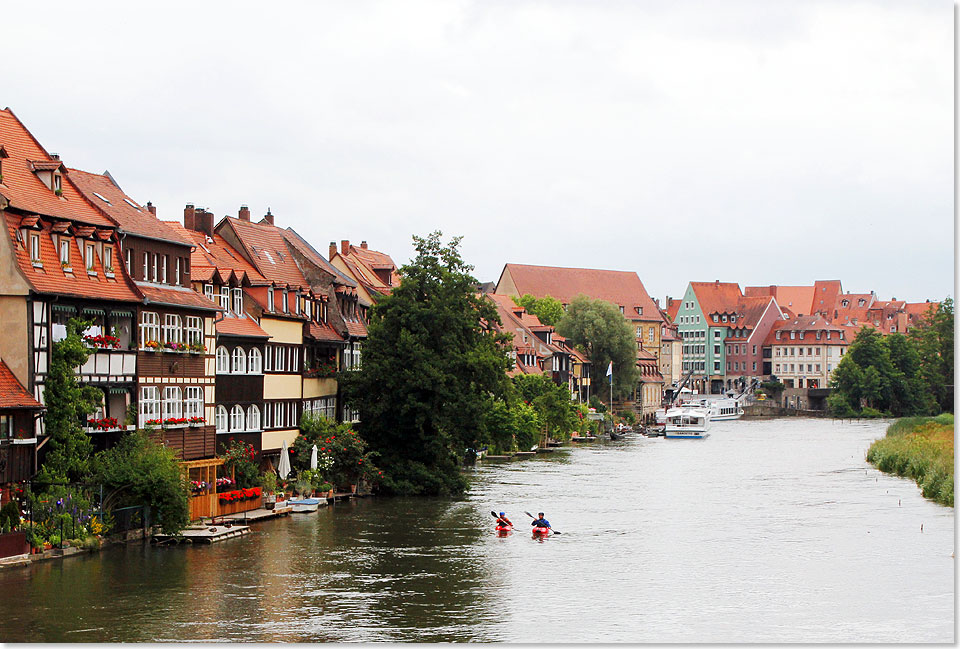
767	531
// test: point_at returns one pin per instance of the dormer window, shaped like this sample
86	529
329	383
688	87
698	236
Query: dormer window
286	301
237	301
621	309
778	335
639	310
270	304
225	298
57	184
724	318
64	251
793	335
35	248
108	259
845	303
861	302
90	256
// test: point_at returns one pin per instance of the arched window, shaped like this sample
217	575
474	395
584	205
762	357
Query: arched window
236	418
221	419
255	364
239	361
223	361
253	418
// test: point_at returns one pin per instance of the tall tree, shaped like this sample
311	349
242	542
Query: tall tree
431	365
934	339
548	309
600	330
68	402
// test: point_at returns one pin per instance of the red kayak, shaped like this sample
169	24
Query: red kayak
504	529
541	531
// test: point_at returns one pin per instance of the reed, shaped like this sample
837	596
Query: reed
920	448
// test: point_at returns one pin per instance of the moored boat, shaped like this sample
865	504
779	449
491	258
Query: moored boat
725	410
305	505
687	422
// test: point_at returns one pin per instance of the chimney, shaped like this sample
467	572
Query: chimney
151	208
268	217
333	249
363	244
244	213
54	156
189	217
204	222
344	246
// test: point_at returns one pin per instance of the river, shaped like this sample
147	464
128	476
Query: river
767	531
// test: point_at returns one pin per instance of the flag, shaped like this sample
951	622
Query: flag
610	369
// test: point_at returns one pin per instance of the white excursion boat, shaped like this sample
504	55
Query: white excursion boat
725	409
687	422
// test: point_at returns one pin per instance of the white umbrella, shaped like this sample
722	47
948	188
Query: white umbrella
313	458
284	469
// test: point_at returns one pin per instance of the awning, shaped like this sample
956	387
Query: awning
92	311
64	307
119	390
121	314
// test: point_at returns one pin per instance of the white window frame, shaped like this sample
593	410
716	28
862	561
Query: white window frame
156	277
278	414
193	331
253	417
270	299
208	292
193	402
225	298
64	251
146	267
237	301
237	419
149	322
268	359
172	402
221	419
239	361
149	403
223	360
172	328
163	269
35	247
177	276
255	362
90	256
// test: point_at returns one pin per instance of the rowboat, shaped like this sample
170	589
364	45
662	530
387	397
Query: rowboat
305	505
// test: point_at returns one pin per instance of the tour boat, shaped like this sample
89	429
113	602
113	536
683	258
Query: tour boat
660	416
687	422
305	505
725	409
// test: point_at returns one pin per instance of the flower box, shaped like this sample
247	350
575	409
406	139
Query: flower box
102	341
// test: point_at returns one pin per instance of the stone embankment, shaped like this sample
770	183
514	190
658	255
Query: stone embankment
762	410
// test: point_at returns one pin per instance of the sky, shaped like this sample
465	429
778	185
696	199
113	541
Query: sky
765	142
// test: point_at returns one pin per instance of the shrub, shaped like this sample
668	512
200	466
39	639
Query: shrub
239	460
838	406
870	413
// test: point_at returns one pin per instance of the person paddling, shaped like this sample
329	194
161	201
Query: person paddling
503	521
540	521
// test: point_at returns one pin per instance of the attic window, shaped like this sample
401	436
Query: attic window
57	183
861	302
639	310
104	199
131	203
269	257
621	309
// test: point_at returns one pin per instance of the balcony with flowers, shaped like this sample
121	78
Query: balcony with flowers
102	341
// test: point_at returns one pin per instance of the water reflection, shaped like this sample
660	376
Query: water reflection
766	531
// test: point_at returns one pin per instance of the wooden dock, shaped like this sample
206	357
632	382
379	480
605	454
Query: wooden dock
253	516
204	534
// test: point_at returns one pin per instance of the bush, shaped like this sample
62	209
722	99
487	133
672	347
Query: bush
629	417
10	516
839	407
239	461
871	413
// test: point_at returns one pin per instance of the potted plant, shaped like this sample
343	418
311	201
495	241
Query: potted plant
196	422
326	489
151	346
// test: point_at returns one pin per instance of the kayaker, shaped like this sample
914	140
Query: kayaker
503	521
541	521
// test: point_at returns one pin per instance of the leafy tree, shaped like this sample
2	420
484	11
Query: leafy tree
548	309
838	406
933	337
599	329
555	410
511	426
238	460
342	455
429	370
141	471
68	403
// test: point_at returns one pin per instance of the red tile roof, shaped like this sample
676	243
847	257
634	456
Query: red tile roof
356	329
12	393
809	325
717	297
240	326
123	210
24	189
323	332
216	254
621	288
266	247
364	262
673	308
176	296
53	279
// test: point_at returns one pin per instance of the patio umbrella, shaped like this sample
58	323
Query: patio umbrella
313	458
284	469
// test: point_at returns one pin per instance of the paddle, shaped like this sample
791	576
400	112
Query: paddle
535	518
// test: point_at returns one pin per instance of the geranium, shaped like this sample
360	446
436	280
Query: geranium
197	420
102	340
151	344
105	423
153	422
174	421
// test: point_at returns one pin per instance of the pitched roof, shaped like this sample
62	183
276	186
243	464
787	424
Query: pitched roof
356	328
717	297
176	296
214	255
52	278
795	299
105	194
233	325
12	393
266	247
673	308
24	189
621	288
322	331
809	325
302	246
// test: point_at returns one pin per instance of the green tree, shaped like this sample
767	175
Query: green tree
430	367
548	309
600	330
933	337
68	403
556	412
141	471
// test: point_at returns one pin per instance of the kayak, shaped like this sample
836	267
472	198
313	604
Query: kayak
503	529
541	531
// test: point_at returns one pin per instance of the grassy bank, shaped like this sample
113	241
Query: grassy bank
920	448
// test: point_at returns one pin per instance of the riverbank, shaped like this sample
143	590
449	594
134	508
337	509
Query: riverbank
920	448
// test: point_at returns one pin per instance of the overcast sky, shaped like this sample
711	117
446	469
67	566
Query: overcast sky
766	142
